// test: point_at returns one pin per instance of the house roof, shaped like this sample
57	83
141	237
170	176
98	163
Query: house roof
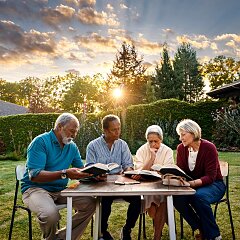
7	108
228	90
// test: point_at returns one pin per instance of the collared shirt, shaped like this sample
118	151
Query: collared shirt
98	152
45	153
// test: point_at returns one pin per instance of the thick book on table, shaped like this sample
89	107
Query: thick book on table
122	180
99	168
171	169
145	174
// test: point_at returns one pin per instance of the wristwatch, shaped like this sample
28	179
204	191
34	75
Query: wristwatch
64	174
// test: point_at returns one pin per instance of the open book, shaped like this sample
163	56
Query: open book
122	180
172	169
145	174
99	168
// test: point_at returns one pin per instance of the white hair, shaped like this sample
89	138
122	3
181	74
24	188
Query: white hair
64	118
189	126
154	129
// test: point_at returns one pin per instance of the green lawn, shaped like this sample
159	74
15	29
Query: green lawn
7	184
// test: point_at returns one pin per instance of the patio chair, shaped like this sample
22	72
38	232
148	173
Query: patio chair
224	166
19	172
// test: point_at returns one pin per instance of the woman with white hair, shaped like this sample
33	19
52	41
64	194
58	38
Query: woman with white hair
154	152
199	159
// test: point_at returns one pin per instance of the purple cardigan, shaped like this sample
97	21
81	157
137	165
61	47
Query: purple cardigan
207	166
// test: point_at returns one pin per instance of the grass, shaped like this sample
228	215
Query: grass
117	218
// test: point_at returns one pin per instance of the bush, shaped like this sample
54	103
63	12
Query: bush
226	135
167	114
16	132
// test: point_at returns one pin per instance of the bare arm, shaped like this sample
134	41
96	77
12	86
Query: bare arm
47	176
195	183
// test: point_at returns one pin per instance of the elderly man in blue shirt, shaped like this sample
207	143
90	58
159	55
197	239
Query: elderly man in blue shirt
106	149
49	157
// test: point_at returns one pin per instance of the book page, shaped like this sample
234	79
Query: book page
121	180
172	169
112	166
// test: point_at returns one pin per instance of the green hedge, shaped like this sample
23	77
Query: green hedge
167	113
16	132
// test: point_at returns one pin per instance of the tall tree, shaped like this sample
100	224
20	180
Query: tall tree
187	73
150	90
9	91
221	70
128	71
81	97
164	82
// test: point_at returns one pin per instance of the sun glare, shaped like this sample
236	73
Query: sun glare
117	93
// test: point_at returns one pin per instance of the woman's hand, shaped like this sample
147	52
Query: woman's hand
195	183
153	150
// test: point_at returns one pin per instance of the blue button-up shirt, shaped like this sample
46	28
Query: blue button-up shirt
98	152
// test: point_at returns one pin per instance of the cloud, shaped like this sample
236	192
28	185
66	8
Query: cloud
231	44
109	7
168	31
96	43
67	49
58	15
148	47
71	29
92	17
82	3
23	9
235	37
73	71
213	46
197	41
117	32
13	36
17	43
123	6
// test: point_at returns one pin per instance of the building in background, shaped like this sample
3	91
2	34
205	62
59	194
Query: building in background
7	108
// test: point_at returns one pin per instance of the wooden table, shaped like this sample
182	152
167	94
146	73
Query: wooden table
108	188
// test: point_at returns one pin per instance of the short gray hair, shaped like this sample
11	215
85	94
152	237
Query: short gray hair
65	118
189	126
154	129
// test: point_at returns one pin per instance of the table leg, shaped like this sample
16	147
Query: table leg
171	220
97	220
69	218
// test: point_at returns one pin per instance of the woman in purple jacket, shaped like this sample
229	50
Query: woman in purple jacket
199	159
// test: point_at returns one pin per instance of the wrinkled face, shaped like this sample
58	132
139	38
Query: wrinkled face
69	132
113	131
154	141
186	138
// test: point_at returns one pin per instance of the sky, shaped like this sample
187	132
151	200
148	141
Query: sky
41	38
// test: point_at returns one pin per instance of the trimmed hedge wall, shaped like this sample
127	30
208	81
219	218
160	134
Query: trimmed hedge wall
17	131
167	113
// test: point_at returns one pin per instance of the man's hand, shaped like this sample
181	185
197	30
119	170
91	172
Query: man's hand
102	177
76	173
136	177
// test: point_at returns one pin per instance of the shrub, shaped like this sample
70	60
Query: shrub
226	135
167	113
16	132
